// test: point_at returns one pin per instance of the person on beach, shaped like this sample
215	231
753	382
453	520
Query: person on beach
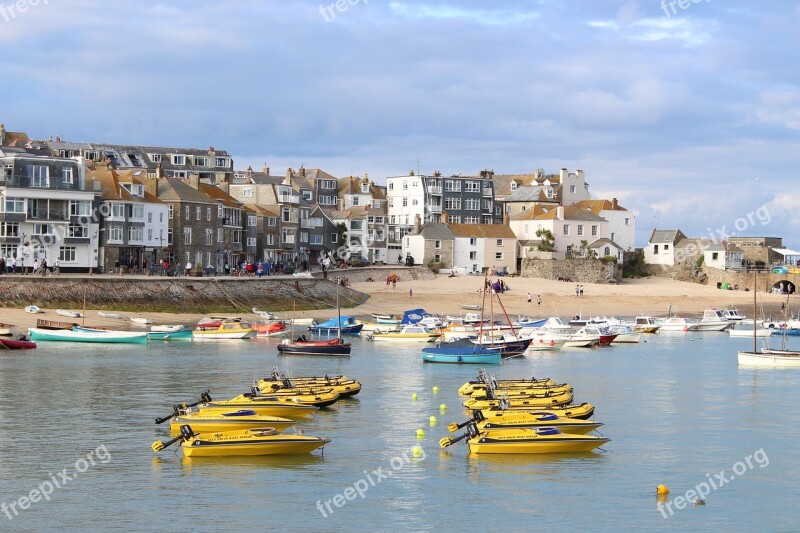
44	267
529	298
539	300
410	293
577	291
581	291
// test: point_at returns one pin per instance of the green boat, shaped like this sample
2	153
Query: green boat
182	335
66	335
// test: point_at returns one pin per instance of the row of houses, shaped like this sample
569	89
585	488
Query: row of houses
98	205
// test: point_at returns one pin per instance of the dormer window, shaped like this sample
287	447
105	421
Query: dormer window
178	159
200	161
155	158
365	188
513	185
91	155
548	192
222	162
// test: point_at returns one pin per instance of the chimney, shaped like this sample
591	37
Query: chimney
506	218
417	224
614	204
288	179
159	171
2	134
193	181
563	174
580	174
444	217
265	168
366	177
224	186
210	150
437	174
302	171
249	171
560	212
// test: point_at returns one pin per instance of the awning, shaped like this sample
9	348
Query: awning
786	251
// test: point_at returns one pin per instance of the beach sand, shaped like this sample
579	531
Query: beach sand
651	296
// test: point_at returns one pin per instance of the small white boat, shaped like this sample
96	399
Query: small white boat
770	358
168	328
71	314
104	314
33	309
385	319
5	329
377	326
554	323
542	340
714	320
625	333
141	320
409	333
748	333
266	315
677	323
732	314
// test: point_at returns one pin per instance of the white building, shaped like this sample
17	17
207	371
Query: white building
571	228
621	222
660	249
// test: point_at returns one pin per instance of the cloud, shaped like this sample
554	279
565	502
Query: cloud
445	12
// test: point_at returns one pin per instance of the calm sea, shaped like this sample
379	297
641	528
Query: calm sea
678	409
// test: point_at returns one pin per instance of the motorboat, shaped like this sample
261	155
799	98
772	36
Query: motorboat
245	442
408	333
543	340
6	329
582	339
421	317
521	419
104	336
646	324
556	400
474	354
527	322
169	328
180	335
369	327
554	323
16	344
454	331
676	323
624	333
273	329
732	314
142	321
284	407
604	338
343	325
525	441
302	346
341	384
223	329
67	313
211	422
33	309
583	411
485	380
521	392
715	320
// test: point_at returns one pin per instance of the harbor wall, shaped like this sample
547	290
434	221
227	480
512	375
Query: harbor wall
578	270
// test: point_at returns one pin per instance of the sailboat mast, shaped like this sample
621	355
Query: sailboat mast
338	315
755	294
483	302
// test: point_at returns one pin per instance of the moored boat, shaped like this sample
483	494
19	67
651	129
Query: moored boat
556	400
525	441
461	355
584	411
67	313
499	420
33	309
6	329
748	333
54	324
282	407
385	319
16	344
223	329
344	325
303	346
646	324
181	335
246	442
273	329
341	384
105	336
168	328
409	333
142	321
211	422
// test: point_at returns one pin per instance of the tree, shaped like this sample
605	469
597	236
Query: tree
584	246
547	243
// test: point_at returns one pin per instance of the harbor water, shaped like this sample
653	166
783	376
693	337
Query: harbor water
678	409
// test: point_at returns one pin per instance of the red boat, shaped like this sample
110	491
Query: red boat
271	330
16	344
303	346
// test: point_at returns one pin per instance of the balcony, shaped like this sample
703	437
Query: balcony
38	215
488	191
436	208
289	199
53	183
435	189
307	224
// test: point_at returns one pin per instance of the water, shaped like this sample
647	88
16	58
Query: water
676	407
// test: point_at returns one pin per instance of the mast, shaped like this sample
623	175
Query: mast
755	293
483	302
83	315
338	316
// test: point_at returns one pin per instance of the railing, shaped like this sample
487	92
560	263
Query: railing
435	189
53	182
288	199
436	208
48	215
488	191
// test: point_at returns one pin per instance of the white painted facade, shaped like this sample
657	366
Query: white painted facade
469	253
621	228
405	197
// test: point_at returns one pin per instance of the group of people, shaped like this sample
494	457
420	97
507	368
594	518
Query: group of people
579	291
538	299
9	266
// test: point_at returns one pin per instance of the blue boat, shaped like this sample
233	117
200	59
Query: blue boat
461	355
347	324
180	335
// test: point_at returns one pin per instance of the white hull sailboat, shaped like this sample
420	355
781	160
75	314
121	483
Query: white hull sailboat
767	357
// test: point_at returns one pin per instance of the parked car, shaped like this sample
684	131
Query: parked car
358	261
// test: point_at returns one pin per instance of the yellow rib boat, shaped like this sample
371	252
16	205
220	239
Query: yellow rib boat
484	381
345	387
245	442
525	402
499	420
521	392
583	411
527	441
263	405
216	422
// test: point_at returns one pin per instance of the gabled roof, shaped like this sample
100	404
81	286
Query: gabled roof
212	191
436	231
15	137
596	206
263	210
502	182
665	236
603	242
530	194
175	190
482	231
531	214
571	213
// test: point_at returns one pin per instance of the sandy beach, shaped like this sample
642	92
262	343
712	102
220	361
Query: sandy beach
442	295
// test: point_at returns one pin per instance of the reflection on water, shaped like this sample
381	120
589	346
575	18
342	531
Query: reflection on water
675	406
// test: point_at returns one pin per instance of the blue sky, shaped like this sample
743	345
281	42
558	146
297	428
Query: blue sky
689	115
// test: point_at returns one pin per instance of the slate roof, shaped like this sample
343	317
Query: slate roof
176	190
571	213
437	231
664	236
482	231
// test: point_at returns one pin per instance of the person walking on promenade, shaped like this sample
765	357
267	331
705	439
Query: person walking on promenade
56	267
188	268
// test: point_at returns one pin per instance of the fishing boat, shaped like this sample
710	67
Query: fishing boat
142	321
211	422
715	320
767	357
245	442
54	324
342	325
521	419
409	333
273	329
105	336
330	347
223	329
168	328
67	313
646	324
105	314
17	344
180	335
525	441
33	309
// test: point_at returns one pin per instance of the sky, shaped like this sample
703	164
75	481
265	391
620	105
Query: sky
687	111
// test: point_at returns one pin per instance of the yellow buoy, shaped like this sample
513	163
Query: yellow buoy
416	451
433	420
420	434
435	389
443	407
662	489
414	396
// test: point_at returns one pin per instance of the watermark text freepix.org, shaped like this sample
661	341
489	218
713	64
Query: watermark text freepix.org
59	479
714	482
668	6
329	12
10	11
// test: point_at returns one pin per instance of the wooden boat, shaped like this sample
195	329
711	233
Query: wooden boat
303	346
470	307
54	324
5	329
141	320
226	329
273	329
522	419
181	335
16	344
246	442
33	309
105	314
474	354
525	440
64	335
409	333
71	314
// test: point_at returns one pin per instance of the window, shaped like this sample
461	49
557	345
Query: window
117	210
391	185
155	158
315	239
251	242
287	236
487	204
548	192
198	213
161	217
307	194
572	189
365	188
208	214
498	256
135	234
237	236
437	258
356	225
452	185
222	161
473	256
137	211
391	202
91	155
437	244
472	186
303	236
187	235
270	240
169	236
513	185
149	234
334	237
355	200
13	205
66	175
178	159
566	229
473	241
655	249
247	192
606	251
271	221
209	236
220	235
594	231
80	208
187	212
38	175
149	217
499	242
42	229
452	203
200	161
115	233
251	221
714	256
405	185
78	231
405	202
9	229
472	204
329	184
66	254
469	220
580	230
170	210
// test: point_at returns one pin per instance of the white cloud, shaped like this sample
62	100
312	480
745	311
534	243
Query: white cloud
481	16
